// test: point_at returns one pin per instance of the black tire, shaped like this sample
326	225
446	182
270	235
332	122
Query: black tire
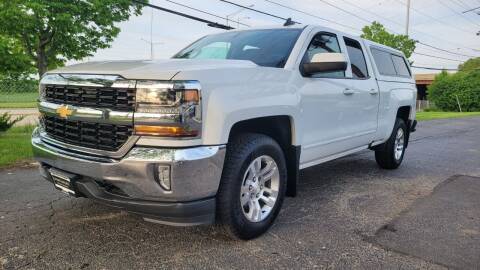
385	154
241	151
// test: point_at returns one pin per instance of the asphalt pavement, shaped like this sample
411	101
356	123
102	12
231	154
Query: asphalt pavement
338	220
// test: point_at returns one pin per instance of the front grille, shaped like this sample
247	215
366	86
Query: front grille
118	99
101	136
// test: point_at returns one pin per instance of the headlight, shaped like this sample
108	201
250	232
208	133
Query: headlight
168	109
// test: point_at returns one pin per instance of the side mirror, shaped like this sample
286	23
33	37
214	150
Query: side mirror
325	62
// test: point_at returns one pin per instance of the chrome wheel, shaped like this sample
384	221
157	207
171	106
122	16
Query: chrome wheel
399	144
260	187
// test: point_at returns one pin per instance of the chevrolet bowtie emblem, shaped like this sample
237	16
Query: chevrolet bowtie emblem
64	111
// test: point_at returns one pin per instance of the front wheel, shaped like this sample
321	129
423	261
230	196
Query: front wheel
252	187
390	155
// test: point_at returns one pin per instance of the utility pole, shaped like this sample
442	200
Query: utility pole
152	44
408	18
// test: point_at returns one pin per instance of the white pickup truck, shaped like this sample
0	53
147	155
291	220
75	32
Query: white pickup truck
219	132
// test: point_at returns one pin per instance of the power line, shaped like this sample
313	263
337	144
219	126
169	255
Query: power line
350	13
363	19
415	31
371	12
440	49
460	4
401	25
353	14
433	68
436	19
202	11
309	14
314	16
209	23
472	9
346	11
438	57
427	55
458	13
430	50
258	11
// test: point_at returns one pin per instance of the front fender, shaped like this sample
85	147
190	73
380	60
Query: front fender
225	111
238	94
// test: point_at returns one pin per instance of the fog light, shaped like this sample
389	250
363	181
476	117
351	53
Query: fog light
163	174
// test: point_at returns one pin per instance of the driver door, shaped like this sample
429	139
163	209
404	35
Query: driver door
324	103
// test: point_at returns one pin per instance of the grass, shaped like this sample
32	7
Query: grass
15	145
18	100
424	116
21	105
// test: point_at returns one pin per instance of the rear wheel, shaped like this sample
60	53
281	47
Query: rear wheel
252	187
390	155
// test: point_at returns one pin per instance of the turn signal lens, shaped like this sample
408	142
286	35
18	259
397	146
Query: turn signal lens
165	131
191	96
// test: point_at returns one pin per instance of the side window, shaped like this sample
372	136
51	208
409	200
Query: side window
324	43
357	59
401	66
384	63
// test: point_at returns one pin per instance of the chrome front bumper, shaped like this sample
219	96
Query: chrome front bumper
195	172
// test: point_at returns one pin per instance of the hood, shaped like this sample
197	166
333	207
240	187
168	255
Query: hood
151	70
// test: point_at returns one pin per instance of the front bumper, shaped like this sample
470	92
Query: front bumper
131	182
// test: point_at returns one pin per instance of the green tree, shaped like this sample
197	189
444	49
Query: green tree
377	33
14	62
450	89
470	65
54	31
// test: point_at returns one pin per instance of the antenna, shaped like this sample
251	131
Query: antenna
289	22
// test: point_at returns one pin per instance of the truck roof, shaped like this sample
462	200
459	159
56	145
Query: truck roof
304	26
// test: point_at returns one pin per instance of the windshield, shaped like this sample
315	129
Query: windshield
269	48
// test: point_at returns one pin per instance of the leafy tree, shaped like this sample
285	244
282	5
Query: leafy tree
464	86
14	62
54	31
377	33
470	65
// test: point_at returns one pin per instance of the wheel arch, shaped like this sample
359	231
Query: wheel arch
281	128
403	113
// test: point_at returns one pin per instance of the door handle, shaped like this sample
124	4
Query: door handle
373	91
348	91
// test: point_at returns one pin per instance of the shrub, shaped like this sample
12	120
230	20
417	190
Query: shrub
6	121
13	85
432	109
464	86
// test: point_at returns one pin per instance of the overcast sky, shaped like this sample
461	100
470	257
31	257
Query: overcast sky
436	22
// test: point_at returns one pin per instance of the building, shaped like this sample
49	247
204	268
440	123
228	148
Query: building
423	81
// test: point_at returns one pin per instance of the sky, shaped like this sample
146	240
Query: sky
439	23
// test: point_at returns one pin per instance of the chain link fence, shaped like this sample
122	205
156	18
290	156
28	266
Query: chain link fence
423	105
18	100
18	93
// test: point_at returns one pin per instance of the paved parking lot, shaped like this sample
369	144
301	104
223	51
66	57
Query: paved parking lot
335	222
